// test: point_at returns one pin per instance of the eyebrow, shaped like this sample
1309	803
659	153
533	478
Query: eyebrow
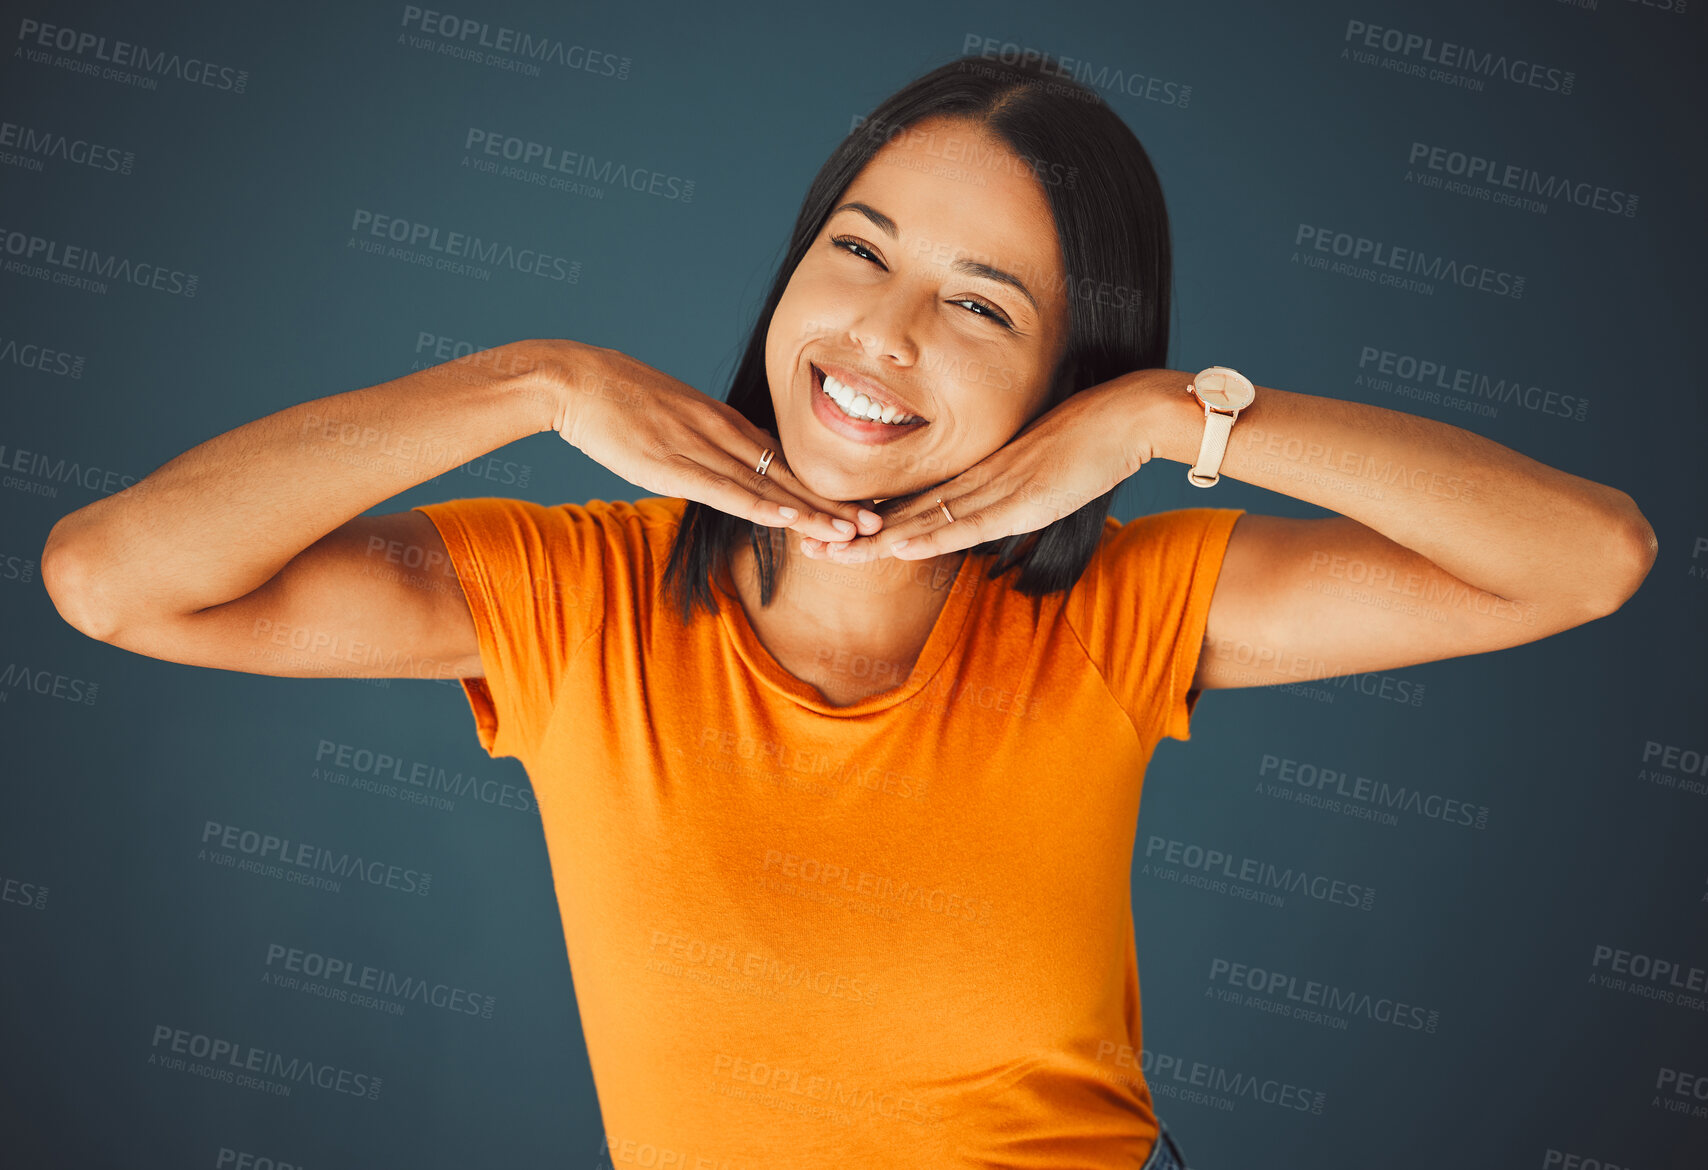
972	267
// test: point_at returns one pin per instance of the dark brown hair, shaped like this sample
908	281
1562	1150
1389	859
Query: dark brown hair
1112	226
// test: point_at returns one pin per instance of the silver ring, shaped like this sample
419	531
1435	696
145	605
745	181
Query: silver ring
945	508
764	461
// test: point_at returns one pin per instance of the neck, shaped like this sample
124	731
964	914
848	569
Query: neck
866	604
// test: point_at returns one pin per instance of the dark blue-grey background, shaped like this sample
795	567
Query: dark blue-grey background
111	927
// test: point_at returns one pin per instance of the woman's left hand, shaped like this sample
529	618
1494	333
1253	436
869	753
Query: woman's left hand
1055	465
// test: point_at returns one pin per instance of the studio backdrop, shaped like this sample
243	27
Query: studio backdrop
1488	215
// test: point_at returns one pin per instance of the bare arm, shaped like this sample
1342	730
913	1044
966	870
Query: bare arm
1447	542
249	551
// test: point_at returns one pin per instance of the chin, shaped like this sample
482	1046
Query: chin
835	476
845	488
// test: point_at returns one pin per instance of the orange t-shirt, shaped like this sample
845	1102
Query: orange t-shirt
898	933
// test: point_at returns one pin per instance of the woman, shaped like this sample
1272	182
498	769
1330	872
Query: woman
841	840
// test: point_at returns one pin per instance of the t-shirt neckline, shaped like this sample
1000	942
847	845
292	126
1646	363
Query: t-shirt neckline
945	635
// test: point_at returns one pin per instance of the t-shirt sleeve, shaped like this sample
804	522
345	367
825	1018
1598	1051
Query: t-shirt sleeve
533	576
1141	609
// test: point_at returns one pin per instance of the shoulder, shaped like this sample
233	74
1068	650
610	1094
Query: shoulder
552	534
650	513
658	514
1150	565
645	526
1177	536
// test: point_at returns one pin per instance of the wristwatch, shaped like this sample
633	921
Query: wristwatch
1224	393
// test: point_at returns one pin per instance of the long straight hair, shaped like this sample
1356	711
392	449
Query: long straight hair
1112	227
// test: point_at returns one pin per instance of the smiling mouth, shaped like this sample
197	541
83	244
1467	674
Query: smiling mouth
856	407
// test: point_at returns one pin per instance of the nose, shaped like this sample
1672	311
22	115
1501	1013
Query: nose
882	327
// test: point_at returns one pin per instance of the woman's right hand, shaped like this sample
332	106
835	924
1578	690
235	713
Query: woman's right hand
663	435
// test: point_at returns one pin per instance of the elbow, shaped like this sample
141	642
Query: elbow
67	577
1628	553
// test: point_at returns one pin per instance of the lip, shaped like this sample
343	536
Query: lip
832	417
875	391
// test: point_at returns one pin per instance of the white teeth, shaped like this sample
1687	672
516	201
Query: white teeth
859	406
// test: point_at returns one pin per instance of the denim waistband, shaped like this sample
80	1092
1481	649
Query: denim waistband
1165	1155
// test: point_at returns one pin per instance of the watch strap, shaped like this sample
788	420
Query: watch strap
1207	470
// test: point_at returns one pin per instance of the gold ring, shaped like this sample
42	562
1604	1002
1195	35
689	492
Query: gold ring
764	461
945	508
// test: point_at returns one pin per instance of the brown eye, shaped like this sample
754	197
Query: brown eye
855	248
991	312
986	310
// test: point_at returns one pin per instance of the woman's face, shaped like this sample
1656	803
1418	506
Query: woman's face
936	284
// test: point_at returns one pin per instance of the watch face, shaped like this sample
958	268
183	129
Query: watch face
1224	389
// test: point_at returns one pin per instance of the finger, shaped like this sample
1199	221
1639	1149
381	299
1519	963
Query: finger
716	480
899	508
766	499
928	532
819	517
925	515
900	515
734	459
827	519
737	497
848	552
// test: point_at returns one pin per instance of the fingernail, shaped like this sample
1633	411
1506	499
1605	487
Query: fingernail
842	526
870	519
898	545
787	513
